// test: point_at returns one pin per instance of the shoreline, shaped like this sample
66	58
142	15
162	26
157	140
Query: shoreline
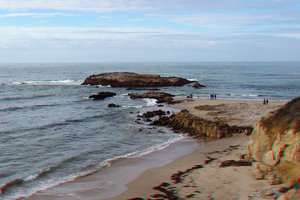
111	181
142	182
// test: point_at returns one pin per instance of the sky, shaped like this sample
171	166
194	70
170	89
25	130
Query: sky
149	30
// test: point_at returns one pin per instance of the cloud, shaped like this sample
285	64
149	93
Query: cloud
31	15
236	20
69	5
138	5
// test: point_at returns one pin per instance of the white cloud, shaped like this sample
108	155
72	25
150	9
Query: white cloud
228	21
12	37
73	5
127	5
31	15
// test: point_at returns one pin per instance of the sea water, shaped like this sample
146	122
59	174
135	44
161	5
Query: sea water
51	133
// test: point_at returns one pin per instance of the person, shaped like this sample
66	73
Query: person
215	96
267	101
264	101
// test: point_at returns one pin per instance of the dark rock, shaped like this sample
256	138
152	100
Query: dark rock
102	95
162	121
283	190
112	105
161	97
198	85
151	95
152	89
153	113
129	79
229	163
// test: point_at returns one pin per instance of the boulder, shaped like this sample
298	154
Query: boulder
275	143
198	85
112	105
129	79
102	95
153	113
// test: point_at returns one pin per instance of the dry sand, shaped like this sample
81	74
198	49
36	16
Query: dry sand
233	112
198	174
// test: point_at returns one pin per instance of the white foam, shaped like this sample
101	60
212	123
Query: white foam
243	95
54	82
140	106
192	79
158	147
104	86
150	102
31	177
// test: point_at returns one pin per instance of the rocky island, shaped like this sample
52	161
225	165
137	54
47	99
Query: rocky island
130	79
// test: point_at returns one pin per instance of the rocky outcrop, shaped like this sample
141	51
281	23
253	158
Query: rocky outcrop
102	95
151	95
161	97
154	113
198	85
275	145
129	79
112	105
153	89
198	127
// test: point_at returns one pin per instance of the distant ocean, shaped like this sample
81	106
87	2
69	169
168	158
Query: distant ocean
51	133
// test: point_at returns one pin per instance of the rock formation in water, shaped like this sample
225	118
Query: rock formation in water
198	85
161	97
129	79
275	145
198	127
112	105
102	95
151	95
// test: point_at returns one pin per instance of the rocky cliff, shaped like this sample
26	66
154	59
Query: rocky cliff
199	127
129	79
275	145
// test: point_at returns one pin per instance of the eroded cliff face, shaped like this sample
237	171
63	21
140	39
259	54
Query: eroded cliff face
199	127
275	145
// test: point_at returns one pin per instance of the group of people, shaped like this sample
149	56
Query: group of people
266	101
213	96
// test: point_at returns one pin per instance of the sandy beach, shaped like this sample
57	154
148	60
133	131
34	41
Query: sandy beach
199	175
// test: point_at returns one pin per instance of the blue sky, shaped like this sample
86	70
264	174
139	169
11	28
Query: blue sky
149	30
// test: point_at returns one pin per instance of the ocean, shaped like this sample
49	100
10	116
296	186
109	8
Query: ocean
51	133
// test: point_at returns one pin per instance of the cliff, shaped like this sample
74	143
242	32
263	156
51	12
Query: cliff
275	145
129	79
